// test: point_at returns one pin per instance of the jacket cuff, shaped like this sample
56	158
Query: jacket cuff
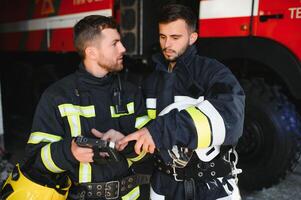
67	151
154	130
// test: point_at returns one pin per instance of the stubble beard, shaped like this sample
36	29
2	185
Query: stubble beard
177	54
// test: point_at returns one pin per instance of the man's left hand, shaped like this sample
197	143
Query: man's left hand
143	139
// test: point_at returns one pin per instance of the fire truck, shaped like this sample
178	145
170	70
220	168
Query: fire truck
259	40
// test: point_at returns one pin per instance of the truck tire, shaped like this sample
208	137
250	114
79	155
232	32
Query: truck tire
270	146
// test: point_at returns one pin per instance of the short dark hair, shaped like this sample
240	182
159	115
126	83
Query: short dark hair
173	12
88	29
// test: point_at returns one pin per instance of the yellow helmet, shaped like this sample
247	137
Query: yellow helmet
18	186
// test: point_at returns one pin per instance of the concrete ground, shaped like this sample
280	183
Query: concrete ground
287	189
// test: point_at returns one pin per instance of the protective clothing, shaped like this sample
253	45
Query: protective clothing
72	107
198	106
18	186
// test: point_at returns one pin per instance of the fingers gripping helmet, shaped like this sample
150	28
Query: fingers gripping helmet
18	186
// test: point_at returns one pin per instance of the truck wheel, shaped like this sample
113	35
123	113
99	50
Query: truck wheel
271	145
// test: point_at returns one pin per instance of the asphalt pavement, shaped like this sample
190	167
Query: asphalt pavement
287	189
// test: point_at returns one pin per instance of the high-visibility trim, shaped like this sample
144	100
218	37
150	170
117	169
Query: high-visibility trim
55	22
129	162
70	109
73	113
214	9
135	159
216	120
202	126
151	113
132	195
85	173
37	137
75	126
130	107
47	160
141	121
187	99
151	103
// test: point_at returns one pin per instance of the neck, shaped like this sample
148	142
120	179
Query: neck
94	69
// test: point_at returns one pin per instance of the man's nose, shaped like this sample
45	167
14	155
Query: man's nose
122	49
167	43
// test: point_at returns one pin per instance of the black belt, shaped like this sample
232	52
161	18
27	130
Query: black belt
113	189
197	169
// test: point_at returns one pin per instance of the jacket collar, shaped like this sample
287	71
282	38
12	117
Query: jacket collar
185	59
87	78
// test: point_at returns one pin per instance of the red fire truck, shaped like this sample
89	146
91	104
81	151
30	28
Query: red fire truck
259	40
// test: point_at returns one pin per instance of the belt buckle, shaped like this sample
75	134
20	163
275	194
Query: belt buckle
108	187
175	175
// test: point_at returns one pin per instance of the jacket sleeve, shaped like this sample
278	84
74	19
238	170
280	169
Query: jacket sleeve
216	120
141	119
49	145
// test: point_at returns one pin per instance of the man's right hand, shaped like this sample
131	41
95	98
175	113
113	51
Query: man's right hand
82	154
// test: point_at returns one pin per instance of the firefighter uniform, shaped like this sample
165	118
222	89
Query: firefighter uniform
72	107
205	114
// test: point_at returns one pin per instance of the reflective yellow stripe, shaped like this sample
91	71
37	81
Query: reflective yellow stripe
85	171
47	160
75	126
129	162
132	195
37	137
135	159
130	107
70	109
151	113
141	121
139	157
202	126
73	113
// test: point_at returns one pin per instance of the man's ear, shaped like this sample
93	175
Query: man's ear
193	37
91	52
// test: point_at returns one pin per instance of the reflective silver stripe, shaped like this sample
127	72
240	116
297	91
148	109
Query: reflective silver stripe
132	195
70	109
37	137
155	196
85	172
231	189
188	99
217	122
75	126
47	160
141	121
151	103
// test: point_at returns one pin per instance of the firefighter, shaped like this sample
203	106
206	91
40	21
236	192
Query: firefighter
198	110
93	101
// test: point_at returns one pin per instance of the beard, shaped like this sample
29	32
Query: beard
175	54
110	66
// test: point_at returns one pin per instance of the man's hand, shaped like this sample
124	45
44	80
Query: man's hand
111	135
81	154
143	139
